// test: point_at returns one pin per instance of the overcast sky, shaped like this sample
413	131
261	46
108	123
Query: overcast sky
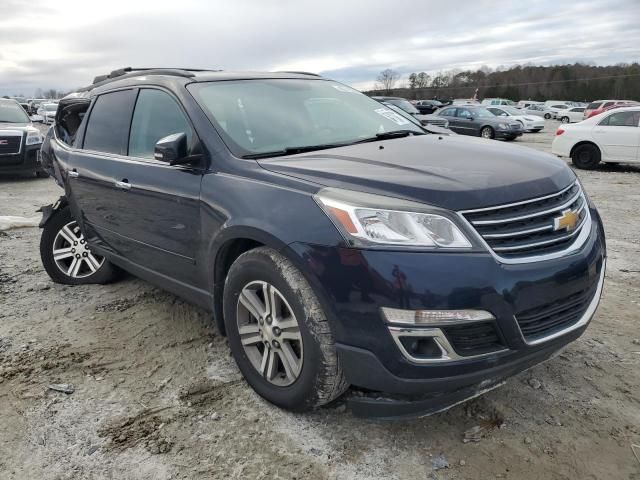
64	44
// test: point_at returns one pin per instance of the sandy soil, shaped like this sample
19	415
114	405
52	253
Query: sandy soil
157	396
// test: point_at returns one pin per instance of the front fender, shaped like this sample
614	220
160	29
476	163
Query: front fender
48	211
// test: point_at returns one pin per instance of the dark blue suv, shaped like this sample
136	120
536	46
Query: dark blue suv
336	242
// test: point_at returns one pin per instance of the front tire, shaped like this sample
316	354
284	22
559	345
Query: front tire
66	257
487	132
564	119
586	157
547	116
279	334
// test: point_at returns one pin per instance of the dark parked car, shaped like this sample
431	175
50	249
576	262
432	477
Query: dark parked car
405	105
480	122
427	107
335	242
19	140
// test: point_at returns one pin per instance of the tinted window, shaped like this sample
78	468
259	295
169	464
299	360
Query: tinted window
622	119
464	113
449	112
156	115
108	127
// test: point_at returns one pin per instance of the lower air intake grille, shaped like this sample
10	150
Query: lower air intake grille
474	338
548	319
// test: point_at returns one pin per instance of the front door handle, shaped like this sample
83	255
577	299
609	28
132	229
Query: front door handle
123	185
74	173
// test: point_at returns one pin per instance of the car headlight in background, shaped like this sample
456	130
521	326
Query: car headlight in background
34	137
369	220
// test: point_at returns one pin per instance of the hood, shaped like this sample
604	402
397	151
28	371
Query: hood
15	126
452	172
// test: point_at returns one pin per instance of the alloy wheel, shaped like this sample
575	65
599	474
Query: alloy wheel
270	333
71	253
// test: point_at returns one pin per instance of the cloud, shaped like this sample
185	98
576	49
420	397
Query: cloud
64	45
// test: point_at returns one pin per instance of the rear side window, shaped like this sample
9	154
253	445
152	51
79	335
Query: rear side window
622	119
156	115
594	105
449	112
108	126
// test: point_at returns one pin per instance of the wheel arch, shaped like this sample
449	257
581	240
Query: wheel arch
584	142
228	246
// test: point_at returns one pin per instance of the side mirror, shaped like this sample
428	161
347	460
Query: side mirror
172	149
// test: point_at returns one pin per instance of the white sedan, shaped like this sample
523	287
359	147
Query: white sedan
530	123
572	115
612	136
48	112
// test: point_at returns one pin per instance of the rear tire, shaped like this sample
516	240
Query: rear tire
547	116
65	256
586	157
564	119
487	132
283	346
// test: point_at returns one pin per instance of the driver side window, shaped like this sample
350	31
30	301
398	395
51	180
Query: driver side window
463	113
156	115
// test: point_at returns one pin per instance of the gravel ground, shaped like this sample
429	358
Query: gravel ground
157	396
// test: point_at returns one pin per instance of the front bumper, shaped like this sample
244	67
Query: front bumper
508	133
24	162
354	285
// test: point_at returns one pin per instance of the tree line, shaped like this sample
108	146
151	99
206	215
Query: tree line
578	81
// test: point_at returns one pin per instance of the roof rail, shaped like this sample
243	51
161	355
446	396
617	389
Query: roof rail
299	73
132	71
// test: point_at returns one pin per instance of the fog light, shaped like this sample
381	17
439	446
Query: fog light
421	347
434	317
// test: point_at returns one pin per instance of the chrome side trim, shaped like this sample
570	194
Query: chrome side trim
531	215
515	204
586	317
448	353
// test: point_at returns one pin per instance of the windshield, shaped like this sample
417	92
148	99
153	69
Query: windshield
12	112
271	115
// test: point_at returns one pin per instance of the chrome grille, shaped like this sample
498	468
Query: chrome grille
10	144
530	228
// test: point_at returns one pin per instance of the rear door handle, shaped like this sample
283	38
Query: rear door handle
74	173
123	185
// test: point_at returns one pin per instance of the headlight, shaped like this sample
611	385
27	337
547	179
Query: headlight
503	126
33	138
367	220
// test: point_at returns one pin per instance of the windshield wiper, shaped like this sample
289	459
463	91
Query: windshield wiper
294	150
391	135
324	146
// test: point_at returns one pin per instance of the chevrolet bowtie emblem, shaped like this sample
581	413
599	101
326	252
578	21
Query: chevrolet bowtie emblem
568	220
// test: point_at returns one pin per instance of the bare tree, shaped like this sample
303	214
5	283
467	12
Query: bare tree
387	79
